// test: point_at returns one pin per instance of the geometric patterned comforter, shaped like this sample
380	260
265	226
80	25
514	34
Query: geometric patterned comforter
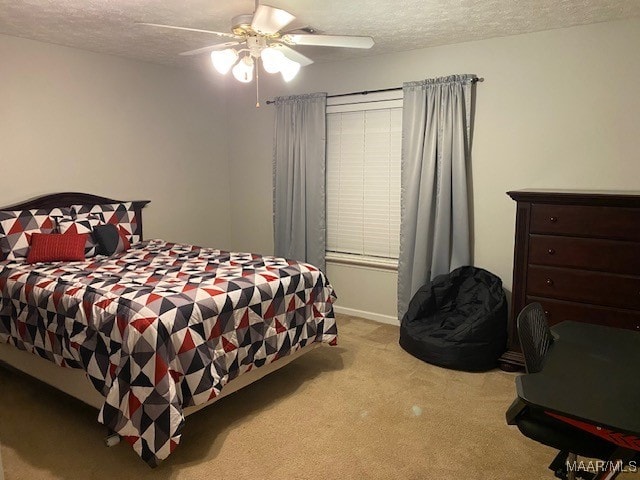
163	326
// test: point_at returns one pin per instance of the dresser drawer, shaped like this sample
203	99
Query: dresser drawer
595	288
585	253
586	221
559	310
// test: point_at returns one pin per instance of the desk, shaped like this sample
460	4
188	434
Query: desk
590	379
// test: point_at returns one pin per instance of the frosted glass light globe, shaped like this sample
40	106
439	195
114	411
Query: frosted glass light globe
289	69
272	59
243	71
223	60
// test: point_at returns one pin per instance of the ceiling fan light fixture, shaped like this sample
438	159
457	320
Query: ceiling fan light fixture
289	69
243	71
261	37
272	59
223	60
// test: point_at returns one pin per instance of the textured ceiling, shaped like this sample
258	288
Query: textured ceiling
108	25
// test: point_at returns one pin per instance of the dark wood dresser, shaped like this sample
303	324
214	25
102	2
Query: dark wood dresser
578	254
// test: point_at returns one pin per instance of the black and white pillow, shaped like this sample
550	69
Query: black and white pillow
17	226
121	214
82	224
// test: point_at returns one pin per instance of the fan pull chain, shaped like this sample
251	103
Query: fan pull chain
257	85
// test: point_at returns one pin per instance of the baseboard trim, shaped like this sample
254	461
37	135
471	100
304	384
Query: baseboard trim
376	317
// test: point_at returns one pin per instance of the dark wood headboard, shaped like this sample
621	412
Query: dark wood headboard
66	199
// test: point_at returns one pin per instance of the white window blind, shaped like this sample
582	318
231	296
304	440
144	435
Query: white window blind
363	177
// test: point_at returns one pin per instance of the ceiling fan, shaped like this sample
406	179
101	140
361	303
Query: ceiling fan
261	36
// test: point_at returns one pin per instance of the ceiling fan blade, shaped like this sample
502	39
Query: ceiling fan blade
269	20
299	27
291	54
210	48
173	27
345	41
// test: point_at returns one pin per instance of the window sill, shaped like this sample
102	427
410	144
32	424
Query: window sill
362	261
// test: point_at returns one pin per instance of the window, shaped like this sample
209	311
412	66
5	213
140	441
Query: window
363	178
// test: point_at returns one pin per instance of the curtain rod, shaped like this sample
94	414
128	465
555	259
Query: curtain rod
367	92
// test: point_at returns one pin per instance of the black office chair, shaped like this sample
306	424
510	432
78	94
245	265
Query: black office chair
535	336
536	340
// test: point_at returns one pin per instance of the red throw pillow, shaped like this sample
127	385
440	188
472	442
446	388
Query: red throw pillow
56	247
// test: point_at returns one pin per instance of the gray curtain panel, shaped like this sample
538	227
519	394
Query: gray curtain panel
434	228
299	178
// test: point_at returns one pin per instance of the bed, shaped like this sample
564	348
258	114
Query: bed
155	332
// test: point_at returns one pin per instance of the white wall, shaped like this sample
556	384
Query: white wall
557	109
72	120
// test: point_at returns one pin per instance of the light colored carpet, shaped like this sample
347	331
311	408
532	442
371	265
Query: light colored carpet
364	409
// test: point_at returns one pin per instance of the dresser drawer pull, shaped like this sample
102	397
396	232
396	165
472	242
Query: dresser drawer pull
551	251
549	282
553	219
547	314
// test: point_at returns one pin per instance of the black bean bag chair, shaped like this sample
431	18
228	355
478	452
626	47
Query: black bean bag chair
458	320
